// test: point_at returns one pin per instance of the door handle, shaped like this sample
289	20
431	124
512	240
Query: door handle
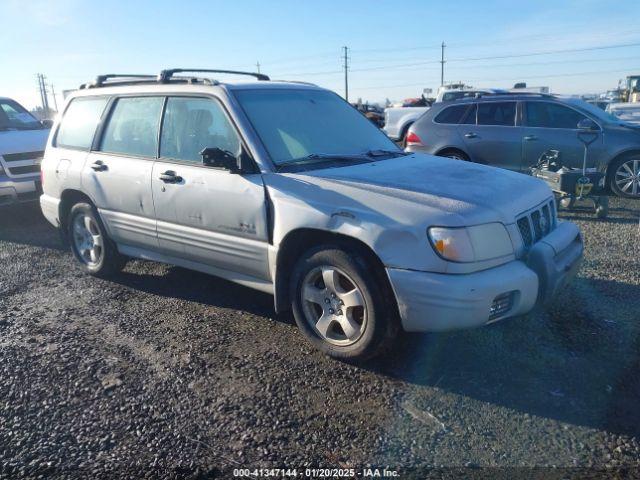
170	177
471	135
530	138
99	166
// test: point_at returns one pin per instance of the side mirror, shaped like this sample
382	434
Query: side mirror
219	158
46	123
588	125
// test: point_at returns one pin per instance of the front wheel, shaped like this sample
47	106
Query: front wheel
624	180
341	304
90	244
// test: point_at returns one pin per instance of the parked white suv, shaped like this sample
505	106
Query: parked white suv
22	142
285	188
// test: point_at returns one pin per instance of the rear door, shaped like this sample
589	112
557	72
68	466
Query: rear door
205	214
117	173
492	136
551	126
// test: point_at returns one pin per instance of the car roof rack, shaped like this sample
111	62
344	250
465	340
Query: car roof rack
101	80
166	75
514	94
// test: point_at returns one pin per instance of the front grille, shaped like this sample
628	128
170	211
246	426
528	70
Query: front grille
537	223
501	305
26	163
17	157
24	170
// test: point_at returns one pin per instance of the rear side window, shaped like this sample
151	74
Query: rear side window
133	127
193	124
470	117
551	115
80	121
451	114
497	113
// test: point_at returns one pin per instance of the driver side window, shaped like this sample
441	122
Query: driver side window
192	124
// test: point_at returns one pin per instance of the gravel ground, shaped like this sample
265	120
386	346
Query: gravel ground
162	372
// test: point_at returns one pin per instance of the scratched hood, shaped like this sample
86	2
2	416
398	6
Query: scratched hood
475	192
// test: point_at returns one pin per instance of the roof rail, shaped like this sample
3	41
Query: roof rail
102	79
514	94
165	75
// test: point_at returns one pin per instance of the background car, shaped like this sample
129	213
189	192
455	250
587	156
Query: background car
22	141
627	112
512	131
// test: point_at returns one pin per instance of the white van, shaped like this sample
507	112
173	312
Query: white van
22	141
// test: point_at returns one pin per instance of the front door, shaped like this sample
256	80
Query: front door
205	214
551	126
118	174
491	135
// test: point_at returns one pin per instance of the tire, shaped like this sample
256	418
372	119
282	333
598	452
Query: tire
602	209
567	203
342	305
619	171
94	250
455	155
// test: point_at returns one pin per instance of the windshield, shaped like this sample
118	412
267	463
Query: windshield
14	116
295	125
594	110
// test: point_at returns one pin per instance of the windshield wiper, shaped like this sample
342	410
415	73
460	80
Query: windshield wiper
385	153
323	157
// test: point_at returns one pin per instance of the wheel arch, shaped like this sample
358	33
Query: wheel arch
451	148
298	241
68	199
618	156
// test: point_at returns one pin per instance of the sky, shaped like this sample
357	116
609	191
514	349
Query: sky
394	46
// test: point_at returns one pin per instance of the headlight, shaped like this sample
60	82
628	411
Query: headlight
471	244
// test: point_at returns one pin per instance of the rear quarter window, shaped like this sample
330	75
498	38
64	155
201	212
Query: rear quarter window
79	123
451	115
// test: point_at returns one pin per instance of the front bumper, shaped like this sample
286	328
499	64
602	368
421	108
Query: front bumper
438	302
23	190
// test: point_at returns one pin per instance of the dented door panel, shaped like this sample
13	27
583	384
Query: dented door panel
212	216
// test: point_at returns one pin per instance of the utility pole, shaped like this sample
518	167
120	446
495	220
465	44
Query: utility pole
442	62
40	89
346	74
258	67
43	94
55	100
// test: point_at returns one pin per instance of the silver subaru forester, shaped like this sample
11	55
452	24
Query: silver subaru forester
286	188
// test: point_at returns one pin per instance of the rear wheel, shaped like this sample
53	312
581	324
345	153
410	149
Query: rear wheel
624	177
90	244
341	304
455	155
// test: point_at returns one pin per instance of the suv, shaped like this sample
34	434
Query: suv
513	130
22	142
285	188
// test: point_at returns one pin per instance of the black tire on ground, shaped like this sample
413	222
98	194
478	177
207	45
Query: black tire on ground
455	155
382	324
602	208
612	175
109	261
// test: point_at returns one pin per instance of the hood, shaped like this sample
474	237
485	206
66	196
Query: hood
475	193
21	141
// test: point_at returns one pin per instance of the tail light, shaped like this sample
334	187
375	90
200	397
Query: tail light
413	139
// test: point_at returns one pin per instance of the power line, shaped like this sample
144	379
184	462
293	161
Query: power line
559	75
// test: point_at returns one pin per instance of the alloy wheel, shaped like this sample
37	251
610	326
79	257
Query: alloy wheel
334	305
88	240
627	177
